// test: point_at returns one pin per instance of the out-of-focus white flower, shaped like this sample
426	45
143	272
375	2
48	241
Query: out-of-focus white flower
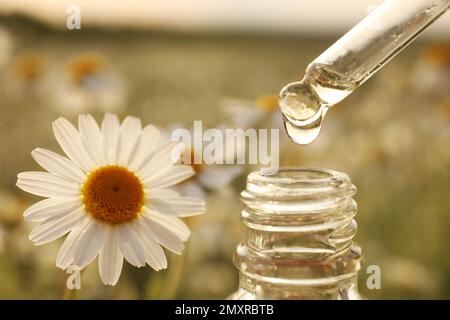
10	215
431	73
112	194
24	76
10	208
245	114
208	177
28	66
89	84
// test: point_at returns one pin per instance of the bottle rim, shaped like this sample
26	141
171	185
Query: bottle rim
298	182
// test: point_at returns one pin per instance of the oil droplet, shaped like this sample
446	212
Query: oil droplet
305	133
303	112
298	101
305	103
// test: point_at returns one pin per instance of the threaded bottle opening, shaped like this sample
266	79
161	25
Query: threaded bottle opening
299	183
311	193
300	226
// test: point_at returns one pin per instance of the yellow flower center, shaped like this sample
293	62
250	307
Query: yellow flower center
267	103
113	195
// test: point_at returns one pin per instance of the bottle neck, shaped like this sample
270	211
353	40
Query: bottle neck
299	231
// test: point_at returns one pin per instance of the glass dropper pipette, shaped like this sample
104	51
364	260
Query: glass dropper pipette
352	60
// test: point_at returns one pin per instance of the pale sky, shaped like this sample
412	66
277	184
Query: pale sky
290	16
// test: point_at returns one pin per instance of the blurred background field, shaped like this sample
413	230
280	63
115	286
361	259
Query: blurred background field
391	136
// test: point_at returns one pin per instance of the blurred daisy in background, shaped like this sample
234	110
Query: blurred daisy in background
431	73
90	84
208	177
28	66
25	73
113	195
10	216
261	113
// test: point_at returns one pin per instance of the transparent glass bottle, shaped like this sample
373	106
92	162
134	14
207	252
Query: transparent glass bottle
298	242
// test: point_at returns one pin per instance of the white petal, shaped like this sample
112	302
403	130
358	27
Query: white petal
214	177
67	251
154	254
163	193
50	208
160	161
58	165
55	228
174	175
92	138
180	206
45	184
129	134
70	141
148	141
130	245
162	234
110	132
89	244
173	223
110	259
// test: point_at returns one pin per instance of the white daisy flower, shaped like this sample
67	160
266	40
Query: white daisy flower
111	194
